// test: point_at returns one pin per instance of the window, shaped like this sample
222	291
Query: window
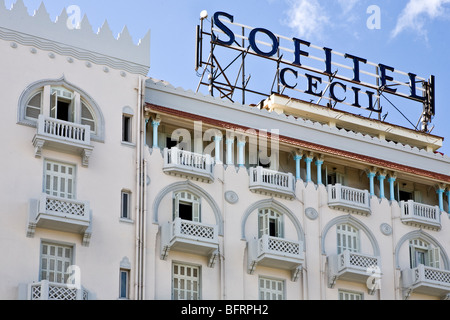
55	262
125	205
58	100
336	178
270	223
186	207
347	238
126	128
270	289
124	284
33	106
421	252
185	282
348	295
59	180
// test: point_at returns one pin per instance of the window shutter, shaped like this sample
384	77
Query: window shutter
340	179
412	256
417	196
176	206
53	105
263	222
434	257
196	211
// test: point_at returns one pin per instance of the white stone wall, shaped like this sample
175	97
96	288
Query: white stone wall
111	169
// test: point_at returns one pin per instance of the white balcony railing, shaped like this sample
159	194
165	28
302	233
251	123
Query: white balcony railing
427	280
185	163
62	135
272	182
349	199
352	266
64	130
275	253
189	236
59	214
46	290
420	214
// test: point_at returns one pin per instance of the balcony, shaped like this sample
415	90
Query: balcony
190	237
349	199
64	215
272	183
275	253
188	164
426	280
46	290
420	215
63	136
351	266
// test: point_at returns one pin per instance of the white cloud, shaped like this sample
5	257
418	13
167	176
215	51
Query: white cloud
347	5
310	18
306	17
415	15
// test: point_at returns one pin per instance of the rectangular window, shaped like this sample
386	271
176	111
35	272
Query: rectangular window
125	205
347	295
270	289
185	282
124	284
126	128
186	206
55	262
59	180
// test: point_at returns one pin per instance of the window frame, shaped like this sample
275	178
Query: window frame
265	216
128	193
42	255
189	199
344	234
262	292
74	178
349	293
174	279
125	272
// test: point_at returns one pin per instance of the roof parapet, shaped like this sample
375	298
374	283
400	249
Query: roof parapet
81	42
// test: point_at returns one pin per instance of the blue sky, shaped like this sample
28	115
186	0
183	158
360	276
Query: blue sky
412	36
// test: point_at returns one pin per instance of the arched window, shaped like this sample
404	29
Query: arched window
186	206
59	100
270	223
347	238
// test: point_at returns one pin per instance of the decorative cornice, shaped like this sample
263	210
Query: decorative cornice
82	43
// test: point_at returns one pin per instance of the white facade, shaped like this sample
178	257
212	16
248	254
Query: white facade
100	204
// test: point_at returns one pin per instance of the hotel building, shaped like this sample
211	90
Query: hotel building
121	186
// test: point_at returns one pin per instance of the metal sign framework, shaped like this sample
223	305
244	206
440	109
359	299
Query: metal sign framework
345	80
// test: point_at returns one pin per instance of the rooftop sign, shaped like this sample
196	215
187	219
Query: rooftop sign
318	73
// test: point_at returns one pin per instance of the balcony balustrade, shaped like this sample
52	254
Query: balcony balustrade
426	280
59	214
63	136
191	237
351	266
46	290
271	182
420	215
188	164
349	199
275	253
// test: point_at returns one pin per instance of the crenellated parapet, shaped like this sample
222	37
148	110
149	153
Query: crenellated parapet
101	48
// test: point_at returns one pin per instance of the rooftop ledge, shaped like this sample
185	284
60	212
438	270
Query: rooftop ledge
341	119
